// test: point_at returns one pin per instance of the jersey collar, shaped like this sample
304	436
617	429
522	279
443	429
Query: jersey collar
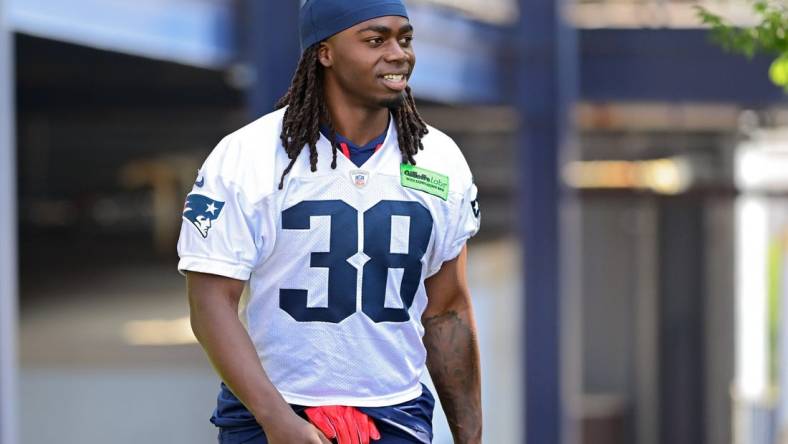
389	142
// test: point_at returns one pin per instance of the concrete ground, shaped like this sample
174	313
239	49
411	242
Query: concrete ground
91	375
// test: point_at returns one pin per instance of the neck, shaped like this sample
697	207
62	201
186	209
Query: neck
360	124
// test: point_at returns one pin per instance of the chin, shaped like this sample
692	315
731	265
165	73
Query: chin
393	102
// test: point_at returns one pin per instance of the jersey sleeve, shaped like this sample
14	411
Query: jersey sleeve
466	223
219	231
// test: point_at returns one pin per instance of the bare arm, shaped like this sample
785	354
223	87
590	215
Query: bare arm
213	303
453	351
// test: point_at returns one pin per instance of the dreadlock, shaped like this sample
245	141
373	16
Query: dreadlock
306	104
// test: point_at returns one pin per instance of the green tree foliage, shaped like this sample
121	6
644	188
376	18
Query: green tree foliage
770	36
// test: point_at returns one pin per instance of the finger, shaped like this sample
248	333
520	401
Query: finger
374	434
343	430
312	413
321	436
321	421
362	425
330	427
349	418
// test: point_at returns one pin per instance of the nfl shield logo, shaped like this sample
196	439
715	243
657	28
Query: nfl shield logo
359	178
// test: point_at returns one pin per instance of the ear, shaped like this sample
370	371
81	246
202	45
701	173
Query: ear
325	54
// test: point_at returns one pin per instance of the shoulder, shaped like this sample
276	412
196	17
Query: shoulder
442	154
246	158
262	132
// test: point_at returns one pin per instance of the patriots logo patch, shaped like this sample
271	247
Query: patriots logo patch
201	211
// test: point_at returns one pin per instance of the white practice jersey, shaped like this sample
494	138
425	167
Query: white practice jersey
336	260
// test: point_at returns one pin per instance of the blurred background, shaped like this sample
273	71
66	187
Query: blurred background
629	279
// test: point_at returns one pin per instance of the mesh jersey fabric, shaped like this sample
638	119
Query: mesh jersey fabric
335	260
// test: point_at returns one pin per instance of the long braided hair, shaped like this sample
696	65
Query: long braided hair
306	104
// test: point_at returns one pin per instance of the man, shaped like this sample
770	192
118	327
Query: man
347	215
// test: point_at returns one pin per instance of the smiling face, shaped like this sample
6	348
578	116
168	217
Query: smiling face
203	224
370	63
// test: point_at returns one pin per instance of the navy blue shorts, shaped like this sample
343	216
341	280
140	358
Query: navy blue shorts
406	423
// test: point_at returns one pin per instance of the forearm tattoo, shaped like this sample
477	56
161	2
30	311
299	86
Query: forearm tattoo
453	362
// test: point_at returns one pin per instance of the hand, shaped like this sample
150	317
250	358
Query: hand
347	424
292	429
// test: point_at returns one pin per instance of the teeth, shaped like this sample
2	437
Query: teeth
394	77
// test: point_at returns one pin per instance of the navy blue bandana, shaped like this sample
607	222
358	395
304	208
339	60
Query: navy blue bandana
320	19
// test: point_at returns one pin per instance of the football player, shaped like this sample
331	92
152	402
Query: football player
347	216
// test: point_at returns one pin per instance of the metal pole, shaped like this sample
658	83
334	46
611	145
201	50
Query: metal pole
547	89
8	248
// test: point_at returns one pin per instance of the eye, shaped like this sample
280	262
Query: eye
406	41
375	41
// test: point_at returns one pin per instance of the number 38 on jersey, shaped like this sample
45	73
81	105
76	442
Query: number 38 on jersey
395	236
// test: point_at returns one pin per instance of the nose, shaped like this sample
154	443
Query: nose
396	53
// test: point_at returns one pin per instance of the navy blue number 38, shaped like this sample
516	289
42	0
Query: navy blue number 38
344	244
